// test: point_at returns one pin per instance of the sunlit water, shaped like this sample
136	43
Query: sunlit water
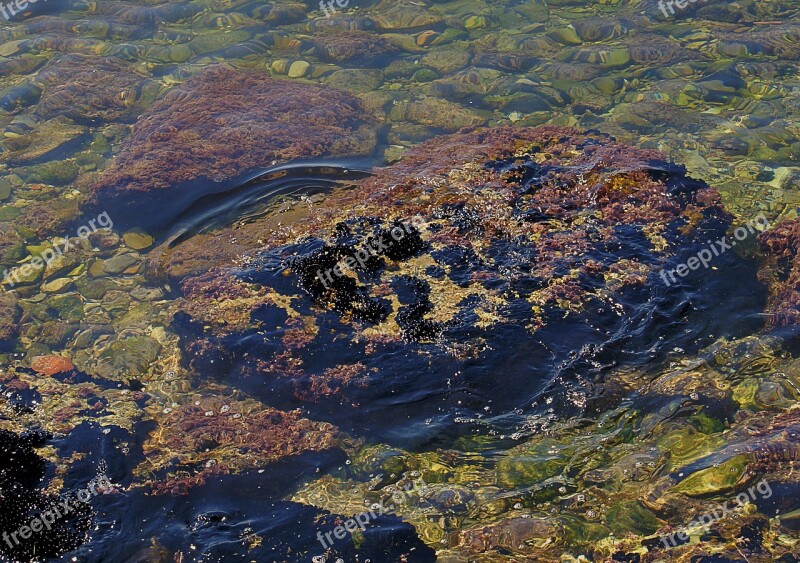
505	432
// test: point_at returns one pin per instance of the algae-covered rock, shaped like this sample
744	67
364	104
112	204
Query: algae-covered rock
631	517
508	239
132	355
781	272
338	47
714	480
50	138
56	173
220	125
204	438
91	89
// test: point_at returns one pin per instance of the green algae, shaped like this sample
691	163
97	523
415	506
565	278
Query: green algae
721	478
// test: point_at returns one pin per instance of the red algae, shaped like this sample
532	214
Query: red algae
94	89
51	365
195	442
225	123
551	223
781	273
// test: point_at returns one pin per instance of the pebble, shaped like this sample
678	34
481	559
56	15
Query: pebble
137	240
57	286
298	69
119	264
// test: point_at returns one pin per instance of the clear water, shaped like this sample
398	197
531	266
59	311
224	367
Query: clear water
535	445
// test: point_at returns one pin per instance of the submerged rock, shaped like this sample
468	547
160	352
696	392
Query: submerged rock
221	435
546	244
9	317
92	90
221	125
782	272
363	47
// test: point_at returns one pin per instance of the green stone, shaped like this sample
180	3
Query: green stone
116	303
474	22
59	285
94	288
9	213
137	239
714	480
5	189
298	69
119	264
631	516
60	266
69	306
55	173
25	274
133	355
425	75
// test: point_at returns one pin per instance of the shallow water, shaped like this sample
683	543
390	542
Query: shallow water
240	416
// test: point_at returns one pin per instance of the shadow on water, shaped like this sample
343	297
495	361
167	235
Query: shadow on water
257	195
198	206
241	517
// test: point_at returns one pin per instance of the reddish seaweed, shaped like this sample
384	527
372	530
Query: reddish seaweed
223	124
781	273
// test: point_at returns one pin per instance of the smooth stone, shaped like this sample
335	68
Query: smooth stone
56	286
147	294
75	272
96	269
26	275
59	266
37	249
104	239
53	136
116	302
119	264
138	239
298	69
5	189
474	22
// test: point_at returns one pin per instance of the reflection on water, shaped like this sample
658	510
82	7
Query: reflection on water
242	421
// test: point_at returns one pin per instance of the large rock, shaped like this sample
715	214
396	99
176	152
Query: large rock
221	125
533	261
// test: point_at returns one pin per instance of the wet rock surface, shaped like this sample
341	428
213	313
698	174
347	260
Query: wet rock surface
505	238
782	272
